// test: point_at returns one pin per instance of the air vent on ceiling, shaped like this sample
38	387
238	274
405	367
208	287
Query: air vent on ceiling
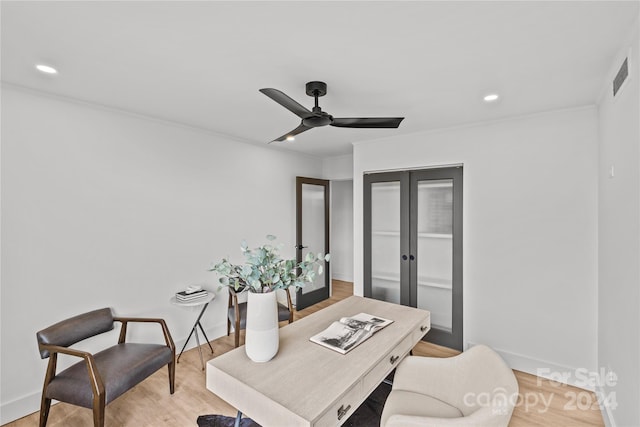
622	75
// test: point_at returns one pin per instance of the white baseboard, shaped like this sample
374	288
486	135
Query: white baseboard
20	407
342	277
605	409
30	403
538	367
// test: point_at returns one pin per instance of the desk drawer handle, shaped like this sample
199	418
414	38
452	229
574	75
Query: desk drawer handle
394	359
342	411
423	328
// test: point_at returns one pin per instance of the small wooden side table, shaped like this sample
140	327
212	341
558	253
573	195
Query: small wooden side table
204	301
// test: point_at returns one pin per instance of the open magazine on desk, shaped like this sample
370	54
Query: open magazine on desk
347	333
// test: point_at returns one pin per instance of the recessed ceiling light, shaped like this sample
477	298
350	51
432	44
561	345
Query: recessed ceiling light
491	97
46	69
291	138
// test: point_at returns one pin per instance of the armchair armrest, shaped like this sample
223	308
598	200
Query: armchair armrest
441	373
417	421
233	296
483	417
165	330
233	302
66	350
97	385
289	304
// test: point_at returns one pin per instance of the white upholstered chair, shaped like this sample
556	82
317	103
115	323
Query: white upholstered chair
475	388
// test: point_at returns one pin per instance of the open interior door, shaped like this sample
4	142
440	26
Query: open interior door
312	235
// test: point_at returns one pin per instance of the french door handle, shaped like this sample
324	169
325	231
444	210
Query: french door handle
300	247
411	257
404	257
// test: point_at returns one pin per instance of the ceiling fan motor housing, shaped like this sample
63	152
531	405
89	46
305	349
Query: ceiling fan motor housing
319	119
316	88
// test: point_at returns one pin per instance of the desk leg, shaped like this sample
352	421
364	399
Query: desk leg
238	418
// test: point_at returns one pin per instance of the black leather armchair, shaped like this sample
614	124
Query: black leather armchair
102	377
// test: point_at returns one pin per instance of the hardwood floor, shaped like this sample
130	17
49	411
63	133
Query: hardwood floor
541	403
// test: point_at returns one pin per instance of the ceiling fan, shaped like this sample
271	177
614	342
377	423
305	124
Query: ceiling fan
316	117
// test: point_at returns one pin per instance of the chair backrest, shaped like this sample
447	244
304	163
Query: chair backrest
233	294
288	296
75	329
485	378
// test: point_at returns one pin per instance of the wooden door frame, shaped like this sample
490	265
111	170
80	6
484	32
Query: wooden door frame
310	298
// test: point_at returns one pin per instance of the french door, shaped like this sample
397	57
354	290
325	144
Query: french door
312	235
413	245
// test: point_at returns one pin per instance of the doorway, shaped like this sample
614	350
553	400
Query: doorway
342	230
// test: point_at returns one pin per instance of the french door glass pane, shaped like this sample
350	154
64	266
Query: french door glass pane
313	222
385	241
435	250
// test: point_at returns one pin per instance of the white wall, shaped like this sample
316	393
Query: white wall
339	170
105	209
530	230
338	167
619	239
342	230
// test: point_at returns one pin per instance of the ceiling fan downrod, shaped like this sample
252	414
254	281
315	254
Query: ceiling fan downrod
316	90
319	118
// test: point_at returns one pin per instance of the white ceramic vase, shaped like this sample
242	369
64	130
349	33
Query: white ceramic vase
262	336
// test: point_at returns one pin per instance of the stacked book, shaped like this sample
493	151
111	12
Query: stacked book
190	295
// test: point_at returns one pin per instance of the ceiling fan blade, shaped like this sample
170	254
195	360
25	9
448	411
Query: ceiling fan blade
294	132
368	122
288	103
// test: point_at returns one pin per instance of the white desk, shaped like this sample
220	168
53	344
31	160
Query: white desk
204	300
306	384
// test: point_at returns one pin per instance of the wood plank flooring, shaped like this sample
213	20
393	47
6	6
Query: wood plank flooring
542	402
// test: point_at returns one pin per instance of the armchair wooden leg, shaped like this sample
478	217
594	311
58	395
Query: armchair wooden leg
237	329
98	414
172	376
45	405
237	337
98	407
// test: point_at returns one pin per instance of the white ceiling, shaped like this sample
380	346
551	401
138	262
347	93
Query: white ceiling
202	63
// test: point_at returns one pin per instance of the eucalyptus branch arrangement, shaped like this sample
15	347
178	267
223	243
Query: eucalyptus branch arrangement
265	271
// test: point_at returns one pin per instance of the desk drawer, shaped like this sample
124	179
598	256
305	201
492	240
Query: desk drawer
341	411
387	364
422	330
